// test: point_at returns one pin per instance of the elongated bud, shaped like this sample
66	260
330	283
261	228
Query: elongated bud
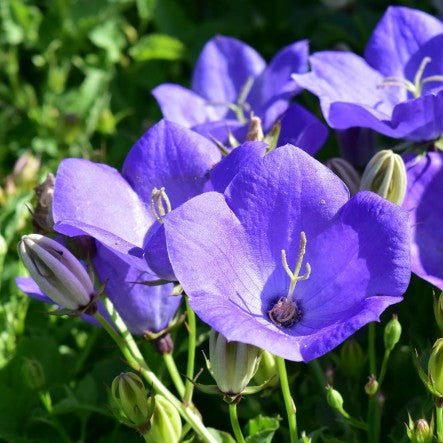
438	310
371	387
42	220
56	271
129	395
334	398
166	425
267	370
33	373
420	431
344	170
392	333
385	175
435	368
352	358
232	364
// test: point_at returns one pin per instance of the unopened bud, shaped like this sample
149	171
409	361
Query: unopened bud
166	425
352	358
232	364
438	310
42	216
334	398
346	172
371	387
56	271
420	431
33	373
385	175
129	395
435	368
267	370
392	333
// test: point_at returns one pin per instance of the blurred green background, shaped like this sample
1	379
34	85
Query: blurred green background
75	80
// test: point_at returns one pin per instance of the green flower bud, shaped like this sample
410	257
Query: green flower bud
435	367
344	170
438	310
33	373
334	398
420	431
129	394
352	358
166	425
392	333
267	370
56	271
371	387
232	364
385	175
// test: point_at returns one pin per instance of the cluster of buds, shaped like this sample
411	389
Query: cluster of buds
153	416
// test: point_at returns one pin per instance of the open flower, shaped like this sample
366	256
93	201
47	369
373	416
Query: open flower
284	260
425	206
230	80
396	89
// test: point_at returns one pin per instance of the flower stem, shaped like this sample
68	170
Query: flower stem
371	349
174	374
234	422
45	398
134	358
384	366
289	402
439	415
192	328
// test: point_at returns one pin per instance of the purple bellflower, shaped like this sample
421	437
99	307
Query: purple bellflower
425	206
284	260
230	80
396	89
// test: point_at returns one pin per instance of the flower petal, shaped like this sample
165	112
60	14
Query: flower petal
30	288
170	156
425	206
398	35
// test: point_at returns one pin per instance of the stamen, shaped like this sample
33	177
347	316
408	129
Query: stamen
158	197
419	75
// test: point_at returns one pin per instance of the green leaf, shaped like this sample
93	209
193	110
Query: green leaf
261	429
220	436
110	37
157	47
146	8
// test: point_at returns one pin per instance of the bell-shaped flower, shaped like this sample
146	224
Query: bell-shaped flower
230	81
424	204
284	260
396	89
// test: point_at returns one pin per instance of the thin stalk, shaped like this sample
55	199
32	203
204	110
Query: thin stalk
439	415
371	349
174	374
192	340
134	358
384	366
45	398
289	402
234	423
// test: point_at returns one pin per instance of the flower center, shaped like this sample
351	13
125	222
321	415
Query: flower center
287	311
241	105
416	87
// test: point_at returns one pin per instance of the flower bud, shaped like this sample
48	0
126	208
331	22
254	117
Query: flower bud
232	364
385	175
392	333
56	271
42	220
352	358
166	425
420	431
334	398
129	394
346	172
33	374
267	370
438	310
25	169
371	387
435	367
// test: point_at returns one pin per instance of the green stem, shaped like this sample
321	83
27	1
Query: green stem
353	421
45	398
373	421
371	349
174	374
289	402
384	366
192	327
134	358
439	415
234	423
